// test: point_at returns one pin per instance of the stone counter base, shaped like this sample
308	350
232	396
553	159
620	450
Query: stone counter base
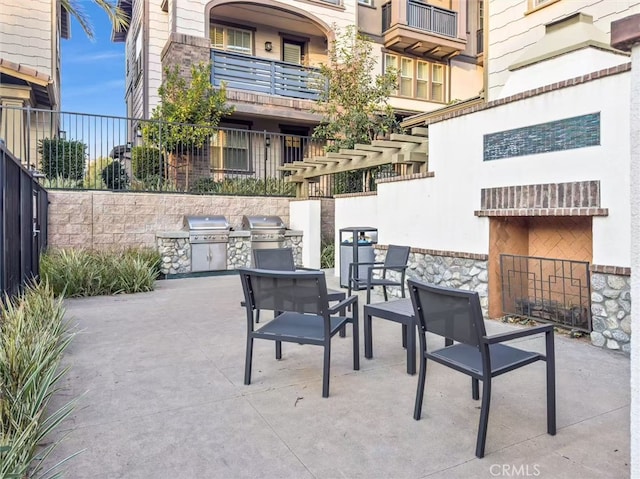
175	250
611	311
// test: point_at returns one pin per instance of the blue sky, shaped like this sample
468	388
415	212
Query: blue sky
93	72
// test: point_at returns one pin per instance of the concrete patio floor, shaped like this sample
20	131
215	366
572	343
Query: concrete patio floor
160	376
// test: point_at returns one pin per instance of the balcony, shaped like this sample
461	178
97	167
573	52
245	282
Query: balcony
244	72
416	27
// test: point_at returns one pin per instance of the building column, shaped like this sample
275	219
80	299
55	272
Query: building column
625	35
13	127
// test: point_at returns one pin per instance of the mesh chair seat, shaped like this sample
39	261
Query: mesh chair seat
503	358
294	326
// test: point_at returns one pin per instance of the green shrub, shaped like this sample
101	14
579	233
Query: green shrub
245	187
93	178
327	255
75	273
63	158
33	337
147	163
115	176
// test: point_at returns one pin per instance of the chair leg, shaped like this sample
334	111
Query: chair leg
369	288
326	371
404	335
247	361
422	374
384	291
278	349
551	385
484	417
475	389
257	316
356	341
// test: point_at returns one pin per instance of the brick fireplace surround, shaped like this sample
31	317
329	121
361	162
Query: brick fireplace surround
554	220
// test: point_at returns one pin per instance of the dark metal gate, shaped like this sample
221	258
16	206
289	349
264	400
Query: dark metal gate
23	224
547	289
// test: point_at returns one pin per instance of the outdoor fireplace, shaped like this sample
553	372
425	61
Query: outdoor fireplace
547	289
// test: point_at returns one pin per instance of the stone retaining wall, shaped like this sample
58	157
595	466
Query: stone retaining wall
105	219
451	269
611	311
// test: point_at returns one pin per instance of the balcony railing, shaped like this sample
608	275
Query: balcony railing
480	41
425	17
255	74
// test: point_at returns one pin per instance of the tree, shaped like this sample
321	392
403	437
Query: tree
354	105
186	117
118	17
186	114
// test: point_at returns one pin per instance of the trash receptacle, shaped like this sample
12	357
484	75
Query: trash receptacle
356	246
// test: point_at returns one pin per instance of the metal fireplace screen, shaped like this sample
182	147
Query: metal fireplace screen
547	289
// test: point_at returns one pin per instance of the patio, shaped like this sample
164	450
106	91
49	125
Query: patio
162	377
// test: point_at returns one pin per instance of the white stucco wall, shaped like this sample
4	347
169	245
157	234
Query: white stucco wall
305	216
635	264
512	29
354	211
437	213
560	68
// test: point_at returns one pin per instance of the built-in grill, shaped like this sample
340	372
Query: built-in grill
209	236
266	231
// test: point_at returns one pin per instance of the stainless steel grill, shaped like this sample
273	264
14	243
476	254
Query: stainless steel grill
208	236
266	231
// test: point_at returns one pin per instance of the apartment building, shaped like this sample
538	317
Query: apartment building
436	46
267	54
30	34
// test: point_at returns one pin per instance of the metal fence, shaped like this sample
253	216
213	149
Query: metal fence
547	289
23	224
82	151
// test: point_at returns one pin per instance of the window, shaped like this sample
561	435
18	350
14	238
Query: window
231	39
406	77
230	149
422	81
391	63
366	2
418	79
437	82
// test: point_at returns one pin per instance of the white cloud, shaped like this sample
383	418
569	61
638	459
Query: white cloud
94	57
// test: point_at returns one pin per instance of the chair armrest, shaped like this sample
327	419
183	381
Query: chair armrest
343	304
303	268
498	338
353	267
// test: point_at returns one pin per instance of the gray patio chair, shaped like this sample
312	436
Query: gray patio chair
456	314
281	259
302	313
396	260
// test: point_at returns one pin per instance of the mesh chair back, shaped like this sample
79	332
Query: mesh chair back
299	291
396	256
278	259
448	312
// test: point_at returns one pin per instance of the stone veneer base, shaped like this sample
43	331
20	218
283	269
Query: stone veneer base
610	293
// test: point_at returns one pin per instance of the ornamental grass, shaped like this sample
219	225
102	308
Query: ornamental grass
77	273
33	337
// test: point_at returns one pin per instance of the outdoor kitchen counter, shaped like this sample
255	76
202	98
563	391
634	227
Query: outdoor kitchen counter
176	249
